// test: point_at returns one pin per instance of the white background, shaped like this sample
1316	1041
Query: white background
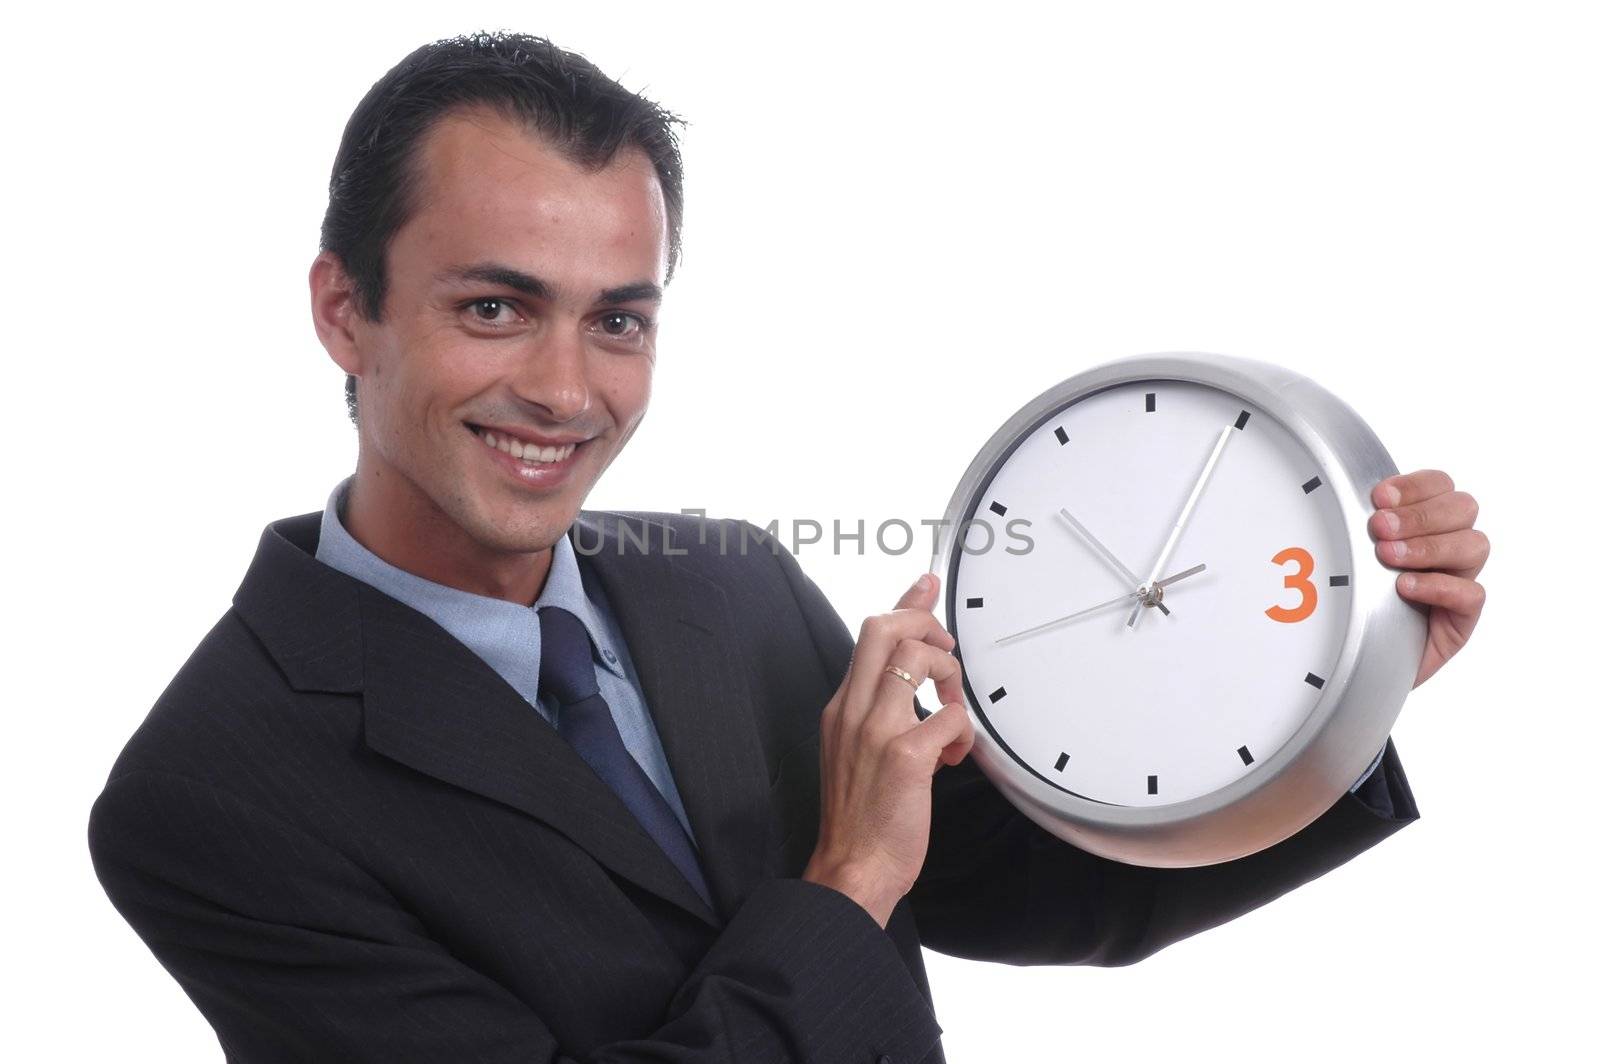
900	227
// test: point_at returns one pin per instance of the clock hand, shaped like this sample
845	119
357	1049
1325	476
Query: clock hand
1116	563
1140	593
1068	617
1188	508
1193	570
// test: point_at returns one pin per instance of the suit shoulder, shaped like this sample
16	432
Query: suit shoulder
228	713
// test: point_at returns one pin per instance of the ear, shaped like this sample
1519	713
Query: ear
333	311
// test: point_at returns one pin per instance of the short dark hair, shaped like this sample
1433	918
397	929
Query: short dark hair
559	94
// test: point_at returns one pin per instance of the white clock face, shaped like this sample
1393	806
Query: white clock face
1187	699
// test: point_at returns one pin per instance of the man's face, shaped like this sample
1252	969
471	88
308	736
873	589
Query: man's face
522	298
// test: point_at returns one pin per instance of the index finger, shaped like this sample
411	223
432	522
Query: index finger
920	598
1405	488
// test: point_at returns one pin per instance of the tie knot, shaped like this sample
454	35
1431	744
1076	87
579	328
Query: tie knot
566	664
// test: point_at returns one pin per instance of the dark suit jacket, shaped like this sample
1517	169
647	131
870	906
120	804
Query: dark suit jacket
349	839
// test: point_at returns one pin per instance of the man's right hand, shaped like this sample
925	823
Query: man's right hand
878	759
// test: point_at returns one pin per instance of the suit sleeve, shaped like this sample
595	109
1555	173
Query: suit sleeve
292	952
997	887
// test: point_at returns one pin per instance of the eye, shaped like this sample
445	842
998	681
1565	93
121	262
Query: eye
486	310
624	325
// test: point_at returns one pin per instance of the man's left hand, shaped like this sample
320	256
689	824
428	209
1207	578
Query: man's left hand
1424	524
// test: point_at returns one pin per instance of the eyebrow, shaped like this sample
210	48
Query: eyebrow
529	285
639	290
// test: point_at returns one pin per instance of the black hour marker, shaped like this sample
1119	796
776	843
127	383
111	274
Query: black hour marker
1244	415
1150	784
1061	762
1245	755
1313	679
1311	485
974	603
997	694
997	508
1149	402
1338	581
1061	434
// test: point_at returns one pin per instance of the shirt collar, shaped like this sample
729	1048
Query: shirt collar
505	634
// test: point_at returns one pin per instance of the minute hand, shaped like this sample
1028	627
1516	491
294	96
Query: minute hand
1173	579
1183	518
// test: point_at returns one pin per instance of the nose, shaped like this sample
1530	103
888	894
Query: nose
554	374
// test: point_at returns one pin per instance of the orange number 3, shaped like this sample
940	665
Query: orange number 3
1297	581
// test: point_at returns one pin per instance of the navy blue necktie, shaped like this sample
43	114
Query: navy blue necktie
583	717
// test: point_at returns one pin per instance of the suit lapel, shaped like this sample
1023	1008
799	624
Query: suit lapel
679	629
432	704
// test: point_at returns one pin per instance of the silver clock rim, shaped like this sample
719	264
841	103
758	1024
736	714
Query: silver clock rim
1360	700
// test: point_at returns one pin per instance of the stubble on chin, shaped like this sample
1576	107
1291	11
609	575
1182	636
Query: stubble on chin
504	526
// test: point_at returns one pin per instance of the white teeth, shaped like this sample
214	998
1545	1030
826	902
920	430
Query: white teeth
527	452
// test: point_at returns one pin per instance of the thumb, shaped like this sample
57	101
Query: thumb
921	595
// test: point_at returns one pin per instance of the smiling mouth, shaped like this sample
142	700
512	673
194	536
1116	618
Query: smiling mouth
529	453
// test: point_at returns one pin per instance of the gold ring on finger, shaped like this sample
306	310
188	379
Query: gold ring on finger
903	674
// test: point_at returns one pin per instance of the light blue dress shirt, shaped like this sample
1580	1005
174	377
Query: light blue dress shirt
506	634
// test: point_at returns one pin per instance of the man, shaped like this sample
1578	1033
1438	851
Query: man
470	773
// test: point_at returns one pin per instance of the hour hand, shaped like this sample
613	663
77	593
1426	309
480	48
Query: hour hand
1116	563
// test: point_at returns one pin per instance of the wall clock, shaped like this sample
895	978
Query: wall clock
1177	642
